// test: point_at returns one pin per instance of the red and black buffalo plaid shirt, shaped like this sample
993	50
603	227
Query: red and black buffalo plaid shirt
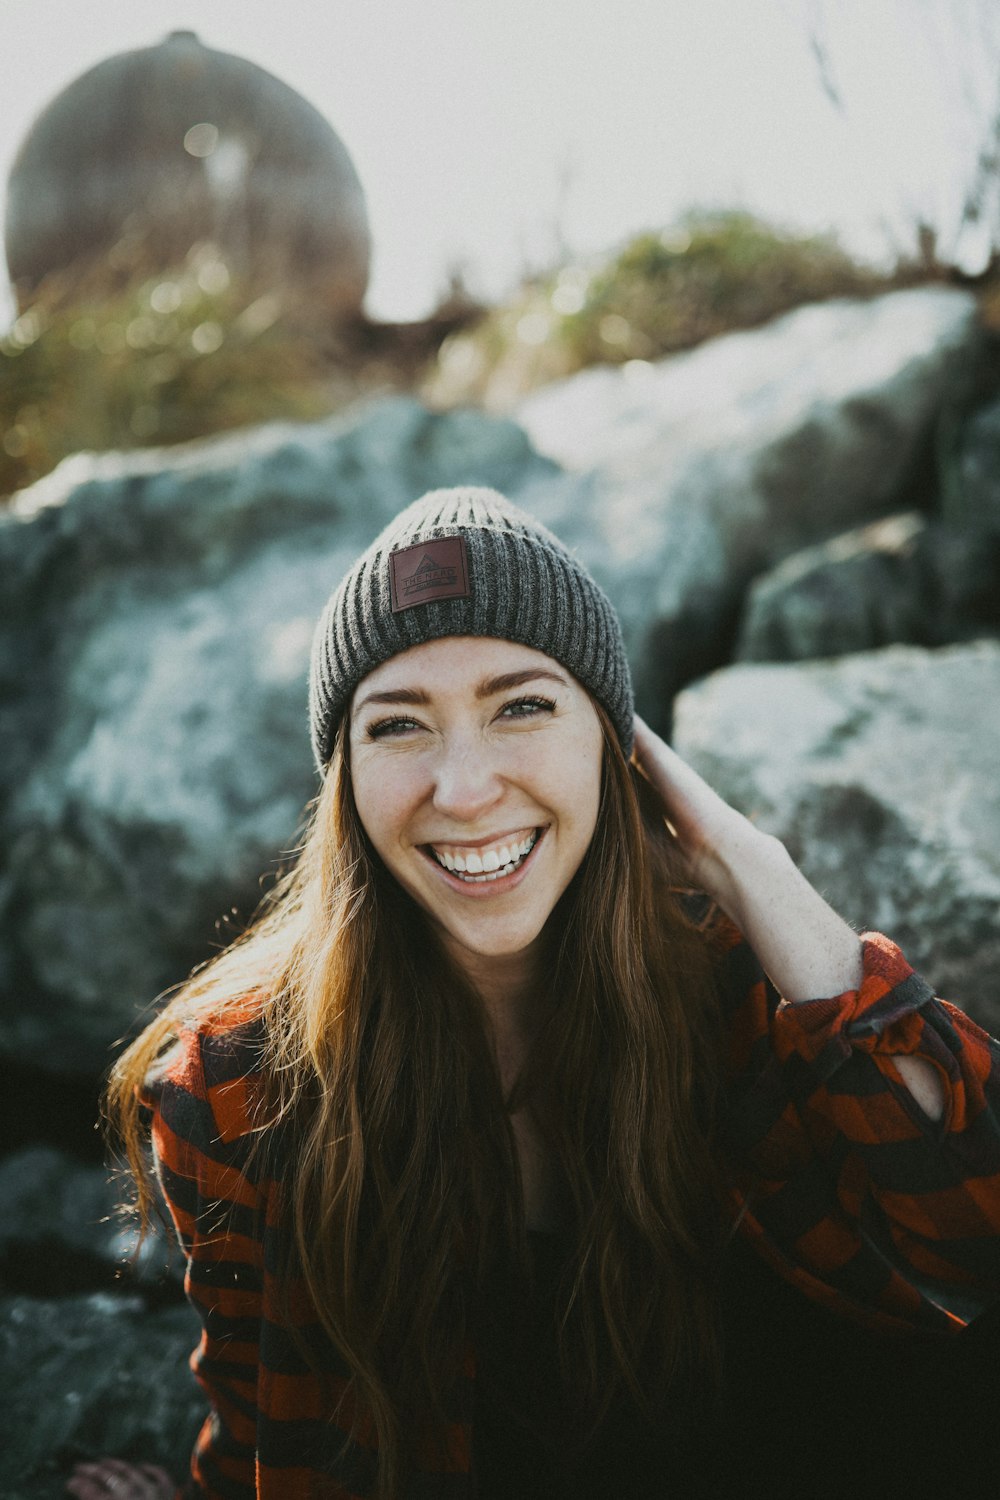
842	1184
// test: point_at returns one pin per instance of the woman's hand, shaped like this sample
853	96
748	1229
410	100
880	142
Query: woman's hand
712	836
114	1479
805	948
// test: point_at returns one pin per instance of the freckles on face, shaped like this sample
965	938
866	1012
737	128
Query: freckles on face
476	767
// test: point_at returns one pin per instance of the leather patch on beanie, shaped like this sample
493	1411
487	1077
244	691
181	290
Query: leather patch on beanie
438	569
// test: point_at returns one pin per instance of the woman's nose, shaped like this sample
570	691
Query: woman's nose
466	783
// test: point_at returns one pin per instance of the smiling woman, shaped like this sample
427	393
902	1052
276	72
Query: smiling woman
484	802
549	1135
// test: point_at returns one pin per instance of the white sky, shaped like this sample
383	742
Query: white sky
485	130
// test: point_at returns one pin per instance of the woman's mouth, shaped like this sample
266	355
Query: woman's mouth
487	864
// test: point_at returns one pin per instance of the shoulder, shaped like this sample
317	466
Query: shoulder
209	1085
215	1158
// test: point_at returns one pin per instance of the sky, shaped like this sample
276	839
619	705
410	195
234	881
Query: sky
495	135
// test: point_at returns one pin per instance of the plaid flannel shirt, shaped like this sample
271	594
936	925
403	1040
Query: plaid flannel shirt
840	1181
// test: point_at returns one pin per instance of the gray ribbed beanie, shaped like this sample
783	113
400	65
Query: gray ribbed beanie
465	562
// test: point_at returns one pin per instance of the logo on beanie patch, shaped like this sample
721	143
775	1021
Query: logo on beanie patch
437	569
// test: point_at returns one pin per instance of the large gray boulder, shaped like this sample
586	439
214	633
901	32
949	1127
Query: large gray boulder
879	773
698	473
153	652
902	580
92	1377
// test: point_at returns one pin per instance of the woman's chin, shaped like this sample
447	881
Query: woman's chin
480	955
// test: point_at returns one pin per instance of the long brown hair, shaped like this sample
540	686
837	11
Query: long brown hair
405	1195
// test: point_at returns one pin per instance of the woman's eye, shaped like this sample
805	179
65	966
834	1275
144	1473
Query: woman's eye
527	708
390	728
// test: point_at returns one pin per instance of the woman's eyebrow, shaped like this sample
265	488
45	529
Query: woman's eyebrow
394	695
507	680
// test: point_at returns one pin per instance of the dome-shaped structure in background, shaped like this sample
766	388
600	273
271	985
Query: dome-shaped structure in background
175	144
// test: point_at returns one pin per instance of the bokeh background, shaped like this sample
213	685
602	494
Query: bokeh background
712	289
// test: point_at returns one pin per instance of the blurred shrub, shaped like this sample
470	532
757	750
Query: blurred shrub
709	274
113	358
165	360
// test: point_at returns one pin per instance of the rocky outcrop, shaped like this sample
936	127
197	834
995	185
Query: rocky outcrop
904	580
94	1340
971	472
700	472
879	774
61	1225
154	755
153	653
160	606
84	1377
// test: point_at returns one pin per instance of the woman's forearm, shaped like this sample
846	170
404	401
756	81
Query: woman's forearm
807	951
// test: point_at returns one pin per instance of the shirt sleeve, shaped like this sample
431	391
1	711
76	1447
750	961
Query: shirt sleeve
204	1167
844	1182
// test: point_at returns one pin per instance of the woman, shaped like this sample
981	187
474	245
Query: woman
499	1166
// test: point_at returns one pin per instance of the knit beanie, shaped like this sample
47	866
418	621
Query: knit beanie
465	562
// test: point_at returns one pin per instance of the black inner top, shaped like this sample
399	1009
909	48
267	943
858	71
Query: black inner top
813	1405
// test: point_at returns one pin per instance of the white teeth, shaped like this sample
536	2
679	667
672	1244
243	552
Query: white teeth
494	864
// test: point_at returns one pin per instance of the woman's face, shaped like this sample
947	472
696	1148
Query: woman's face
476	766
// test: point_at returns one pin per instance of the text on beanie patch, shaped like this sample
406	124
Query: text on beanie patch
437	569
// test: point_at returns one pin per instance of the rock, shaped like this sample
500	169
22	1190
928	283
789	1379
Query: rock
89	1377
971	472
878	772
701	471
61	1229
153	651
160	606
854	593
903	580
